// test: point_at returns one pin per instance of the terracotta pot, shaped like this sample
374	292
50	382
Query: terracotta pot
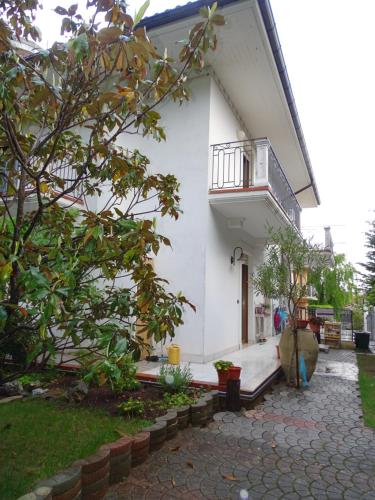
223	377
302	323
307	345
234	373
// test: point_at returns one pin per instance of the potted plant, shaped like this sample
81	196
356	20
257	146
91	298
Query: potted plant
222	368
234	373
302	323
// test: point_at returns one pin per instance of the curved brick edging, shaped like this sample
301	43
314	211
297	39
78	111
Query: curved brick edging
158	434
89	479
95	472
42	493
172	423
183	416
120	458
65	485
140	448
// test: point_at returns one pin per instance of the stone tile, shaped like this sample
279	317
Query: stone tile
309	444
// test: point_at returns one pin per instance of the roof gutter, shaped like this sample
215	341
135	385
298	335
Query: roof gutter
273	37
191	9
181	12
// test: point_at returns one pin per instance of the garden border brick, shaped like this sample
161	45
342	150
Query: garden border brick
41	493
90	478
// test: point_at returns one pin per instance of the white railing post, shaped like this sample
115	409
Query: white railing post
260	167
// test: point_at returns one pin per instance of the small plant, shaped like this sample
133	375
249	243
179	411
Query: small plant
114	365
45	376
177	400
222	365
28	379
132	407
175	379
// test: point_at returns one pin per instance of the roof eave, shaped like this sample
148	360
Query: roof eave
191	10
273	37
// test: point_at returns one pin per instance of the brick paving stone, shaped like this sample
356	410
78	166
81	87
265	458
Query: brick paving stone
308	444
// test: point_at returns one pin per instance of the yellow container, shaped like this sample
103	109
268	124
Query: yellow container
174	354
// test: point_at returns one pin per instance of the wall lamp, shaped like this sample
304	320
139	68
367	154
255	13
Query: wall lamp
241	256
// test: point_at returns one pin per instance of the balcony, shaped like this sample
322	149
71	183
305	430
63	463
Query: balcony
67	175
248	186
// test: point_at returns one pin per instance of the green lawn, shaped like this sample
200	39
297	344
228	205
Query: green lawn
38	438
366	364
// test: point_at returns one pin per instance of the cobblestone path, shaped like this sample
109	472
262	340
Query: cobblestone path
297	444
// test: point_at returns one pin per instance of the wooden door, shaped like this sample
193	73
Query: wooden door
245	172
245	304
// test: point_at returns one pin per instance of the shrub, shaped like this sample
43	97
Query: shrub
177	400
44	376
132	407
115	367
175	378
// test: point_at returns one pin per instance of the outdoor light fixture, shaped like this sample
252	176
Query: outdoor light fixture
233	257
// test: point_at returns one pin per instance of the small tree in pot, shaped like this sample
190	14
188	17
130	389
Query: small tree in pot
284	274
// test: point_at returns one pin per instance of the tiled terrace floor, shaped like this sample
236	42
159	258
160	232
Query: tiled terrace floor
309	444
258	362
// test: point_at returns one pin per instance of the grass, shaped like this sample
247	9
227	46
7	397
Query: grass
39	438
366	364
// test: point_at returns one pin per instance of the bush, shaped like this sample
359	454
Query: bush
177	400
116	366
132	407
175	378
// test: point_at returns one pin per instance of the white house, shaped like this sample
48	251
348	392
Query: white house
239	152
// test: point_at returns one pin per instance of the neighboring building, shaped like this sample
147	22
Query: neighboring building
238	150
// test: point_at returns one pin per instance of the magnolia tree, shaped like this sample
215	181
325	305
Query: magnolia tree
62	111
284	273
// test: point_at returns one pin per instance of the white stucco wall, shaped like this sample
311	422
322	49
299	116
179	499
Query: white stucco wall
223	281
185	154
199	262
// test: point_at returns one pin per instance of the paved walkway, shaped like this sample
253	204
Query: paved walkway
297	444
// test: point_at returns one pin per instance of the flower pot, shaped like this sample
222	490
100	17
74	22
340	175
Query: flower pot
302	323
223	377
234	373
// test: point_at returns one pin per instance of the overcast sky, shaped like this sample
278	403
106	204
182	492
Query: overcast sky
329	50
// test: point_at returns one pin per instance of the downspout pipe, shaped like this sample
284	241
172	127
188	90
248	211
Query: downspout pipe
273	37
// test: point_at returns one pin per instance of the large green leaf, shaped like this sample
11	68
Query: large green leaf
138	16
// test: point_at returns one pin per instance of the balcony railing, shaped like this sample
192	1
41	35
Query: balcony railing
67	174
253	164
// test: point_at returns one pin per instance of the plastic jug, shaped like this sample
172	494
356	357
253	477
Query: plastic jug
174	354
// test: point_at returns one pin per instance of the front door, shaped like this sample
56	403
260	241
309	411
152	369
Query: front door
245	171
245	304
